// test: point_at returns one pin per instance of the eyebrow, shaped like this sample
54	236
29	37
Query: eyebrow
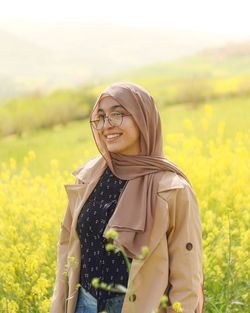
113	107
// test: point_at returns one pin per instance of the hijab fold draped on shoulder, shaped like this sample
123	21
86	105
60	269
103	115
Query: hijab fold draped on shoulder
134	214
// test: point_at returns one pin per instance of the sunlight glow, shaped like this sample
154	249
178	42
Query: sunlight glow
197	15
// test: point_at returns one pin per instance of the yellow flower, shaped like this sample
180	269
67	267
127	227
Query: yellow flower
177	307
109	247
164	300
111	234
144	252
95	282
215	160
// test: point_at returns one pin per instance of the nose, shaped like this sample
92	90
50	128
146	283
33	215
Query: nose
108	124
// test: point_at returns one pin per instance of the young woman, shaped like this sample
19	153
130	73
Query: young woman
132	188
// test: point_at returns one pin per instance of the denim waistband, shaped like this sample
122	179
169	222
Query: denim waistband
113	304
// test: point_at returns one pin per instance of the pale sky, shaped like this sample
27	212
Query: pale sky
214	16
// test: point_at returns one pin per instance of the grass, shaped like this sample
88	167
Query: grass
72	144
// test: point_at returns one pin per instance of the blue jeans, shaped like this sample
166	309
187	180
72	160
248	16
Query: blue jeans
86	303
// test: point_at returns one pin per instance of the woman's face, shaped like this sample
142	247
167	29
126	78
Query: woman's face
126	137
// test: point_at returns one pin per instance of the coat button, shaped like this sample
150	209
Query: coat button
132	298
189	246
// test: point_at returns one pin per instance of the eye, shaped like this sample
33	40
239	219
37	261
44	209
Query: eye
116	115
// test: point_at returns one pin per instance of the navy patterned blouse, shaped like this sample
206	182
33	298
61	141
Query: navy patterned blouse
108	266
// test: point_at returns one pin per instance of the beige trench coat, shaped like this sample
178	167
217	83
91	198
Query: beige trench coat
173	265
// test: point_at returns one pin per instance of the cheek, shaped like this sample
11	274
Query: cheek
136	135
130	130
136	130
133	132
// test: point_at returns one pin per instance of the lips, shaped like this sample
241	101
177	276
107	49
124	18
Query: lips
112	137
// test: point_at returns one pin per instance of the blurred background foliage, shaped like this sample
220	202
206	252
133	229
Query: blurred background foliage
212	74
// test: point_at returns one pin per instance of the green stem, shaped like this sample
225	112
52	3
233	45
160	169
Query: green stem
126	258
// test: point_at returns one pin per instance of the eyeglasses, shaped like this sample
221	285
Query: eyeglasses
114	118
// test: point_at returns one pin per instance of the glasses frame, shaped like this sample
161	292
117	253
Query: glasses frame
109	119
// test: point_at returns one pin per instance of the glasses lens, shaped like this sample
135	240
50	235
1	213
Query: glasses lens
115	118
98	122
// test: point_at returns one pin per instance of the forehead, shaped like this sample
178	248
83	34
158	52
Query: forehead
108	104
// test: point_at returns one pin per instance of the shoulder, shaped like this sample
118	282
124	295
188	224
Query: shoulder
90	169
171	180
172	184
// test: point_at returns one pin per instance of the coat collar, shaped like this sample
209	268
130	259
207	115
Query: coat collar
90	171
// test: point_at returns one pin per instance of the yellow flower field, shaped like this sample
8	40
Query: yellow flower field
32	208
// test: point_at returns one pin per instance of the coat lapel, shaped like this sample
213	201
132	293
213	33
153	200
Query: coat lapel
158	230
161	220
78	194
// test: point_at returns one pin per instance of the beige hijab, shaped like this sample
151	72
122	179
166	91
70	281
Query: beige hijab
134	213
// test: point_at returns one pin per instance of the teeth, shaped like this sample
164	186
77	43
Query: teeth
113	136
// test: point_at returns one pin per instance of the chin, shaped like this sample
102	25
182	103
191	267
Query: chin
115	150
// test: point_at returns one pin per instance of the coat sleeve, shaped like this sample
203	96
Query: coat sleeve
184	236
60	291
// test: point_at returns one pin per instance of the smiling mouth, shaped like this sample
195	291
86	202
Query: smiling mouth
112	137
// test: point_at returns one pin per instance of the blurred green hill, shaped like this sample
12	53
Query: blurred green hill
210	74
